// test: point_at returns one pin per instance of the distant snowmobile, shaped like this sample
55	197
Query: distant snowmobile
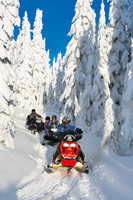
69	155
50	138
36	125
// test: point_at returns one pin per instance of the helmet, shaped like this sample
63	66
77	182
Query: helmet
33	110
54	117
66	120
47	118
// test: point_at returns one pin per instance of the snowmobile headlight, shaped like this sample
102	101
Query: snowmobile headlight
66	145
54	129
72	145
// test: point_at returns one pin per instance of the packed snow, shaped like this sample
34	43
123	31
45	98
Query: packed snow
23	173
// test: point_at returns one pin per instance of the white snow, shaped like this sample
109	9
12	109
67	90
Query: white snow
23	175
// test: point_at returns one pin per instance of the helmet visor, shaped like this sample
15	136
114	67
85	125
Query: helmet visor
65	123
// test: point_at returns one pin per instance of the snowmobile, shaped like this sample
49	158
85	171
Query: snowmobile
68	158
36	125
50	138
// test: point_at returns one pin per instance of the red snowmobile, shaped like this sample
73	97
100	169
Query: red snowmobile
69	157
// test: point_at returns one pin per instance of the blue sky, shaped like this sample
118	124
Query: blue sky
57	18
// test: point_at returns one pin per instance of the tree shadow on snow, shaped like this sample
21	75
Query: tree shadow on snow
9	193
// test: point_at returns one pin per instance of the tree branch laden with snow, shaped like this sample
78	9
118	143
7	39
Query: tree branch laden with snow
8	18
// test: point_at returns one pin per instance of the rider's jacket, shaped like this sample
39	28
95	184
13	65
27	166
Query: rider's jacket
62	128
33	115
76	131
52	124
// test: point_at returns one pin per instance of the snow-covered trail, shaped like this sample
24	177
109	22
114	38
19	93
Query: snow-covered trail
49	186
104	182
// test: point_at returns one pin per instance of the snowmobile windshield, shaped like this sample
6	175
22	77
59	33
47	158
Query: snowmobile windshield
69	138
66	136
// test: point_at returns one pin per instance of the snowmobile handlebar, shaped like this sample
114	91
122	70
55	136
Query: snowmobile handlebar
68	135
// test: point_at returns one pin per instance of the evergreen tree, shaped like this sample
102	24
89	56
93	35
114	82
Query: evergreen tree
117	58
79	60
52	84
130	19
54	75
102	114
8	18
50	91
24	96
47	80
58	86
130	27
39	59
126	136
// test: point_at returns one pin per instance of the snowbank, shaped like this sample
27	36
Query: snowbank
23	175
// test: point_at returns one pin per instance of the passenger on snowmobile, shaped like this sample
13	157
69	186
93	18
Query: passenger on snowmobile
47	120
51	128
77	132
54	121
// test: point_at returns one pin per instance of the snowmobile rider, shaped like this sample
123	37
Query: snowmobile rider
66	126
53	124
45	136
54	121
31	118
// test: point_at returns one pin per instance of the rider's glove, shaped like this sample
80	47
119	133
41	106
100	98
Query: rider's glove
78	130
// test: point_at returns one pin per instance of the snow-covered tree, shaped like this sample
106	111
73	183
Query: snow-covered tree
8	18
130	26
55	85
126	135
60	83
118	57
58	90
51	85
25	89
54	75
50	91
39	59
102	114
47	80
79	60
130	19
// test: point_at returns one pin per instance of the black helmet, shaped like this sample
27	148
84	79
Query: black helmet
54	117
66	120
33	110
47	118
